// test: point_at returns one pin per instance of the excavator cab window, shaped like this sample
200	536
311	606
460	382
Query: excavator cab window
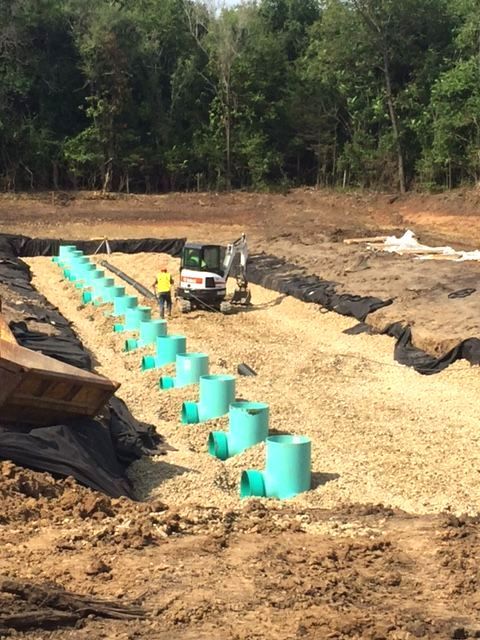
202	258
211	256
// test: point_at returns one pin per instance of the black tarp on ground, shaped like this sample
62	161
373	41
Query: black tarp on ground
95	452
406	353
31	247
61	343
284	277
279	275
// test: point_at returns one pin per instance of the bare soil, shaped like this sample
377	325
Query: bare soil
201	563
306	227
253	573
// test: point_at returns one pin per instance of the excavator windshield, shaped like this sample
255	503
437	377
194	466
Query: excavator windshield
202	258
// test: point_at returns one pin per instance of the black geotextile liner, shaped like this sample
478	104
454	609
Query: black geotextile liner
31	247
95	452
406	353
274	273
57	340
277	274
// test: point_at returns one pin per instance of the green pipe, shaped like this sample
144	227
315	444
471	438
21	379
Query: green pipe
248	425
100	287
133	317
189	368
216	394
63	251
83	276
77	261
149	332
76	267
68	261
96	274
110	293
288	469
168	347
120	305
91	277
72	255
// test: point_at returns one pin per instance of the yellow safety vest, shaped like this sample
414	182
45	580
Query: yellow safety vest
163	282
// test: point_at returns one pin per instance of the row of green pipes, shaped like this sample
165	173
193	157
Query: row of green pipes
288	457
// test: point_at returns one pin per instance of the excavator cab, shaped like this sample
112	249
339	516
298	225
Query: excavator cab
202	257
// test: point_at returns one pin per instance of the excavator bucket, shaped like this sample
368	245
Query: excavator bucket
38	390
241	297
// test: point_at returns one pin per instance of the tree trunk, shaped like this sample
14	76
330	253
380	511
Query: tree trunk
394	121
55	174
228	151
379	30
107	182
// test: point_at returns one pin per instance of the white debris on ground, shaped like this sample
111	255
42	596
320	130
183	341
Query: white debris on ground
409	245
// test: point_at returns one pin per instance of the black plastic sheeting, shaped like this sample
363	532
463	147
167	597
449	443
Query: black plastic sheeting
274	273
30	247
406	353
279	275
96	452
57	339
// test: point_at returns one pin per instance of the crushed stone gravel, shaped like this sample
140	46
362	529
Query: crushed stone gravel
381	433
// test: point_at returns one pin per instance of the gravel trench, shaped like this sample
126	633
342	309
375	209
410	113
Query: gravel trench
380	432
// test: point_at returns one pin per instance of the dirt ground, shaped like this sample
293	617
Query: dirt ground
327	564
306	227
246	574
379	549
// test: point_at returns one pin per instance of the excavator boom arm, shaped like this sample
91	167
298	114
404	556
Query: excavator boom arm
238	247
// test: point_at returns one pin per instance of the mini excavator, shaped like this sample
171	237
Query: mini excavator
204	275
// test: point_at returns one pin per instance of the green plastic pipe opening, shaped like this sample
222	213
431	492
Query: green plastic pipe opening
166	382
148	362
190	413
218	444
252	484
130	344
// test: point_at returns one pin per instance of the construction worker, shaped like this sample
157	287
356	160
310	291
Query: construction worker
162	288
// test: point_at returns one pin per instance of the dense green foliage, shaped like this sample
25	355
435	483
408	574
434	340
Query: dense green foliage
154	95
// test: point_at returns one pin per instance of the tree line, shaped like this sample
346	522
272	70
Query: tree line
159	95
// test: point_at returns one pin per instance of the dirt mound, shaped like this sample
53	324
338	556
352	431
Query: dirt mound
263	570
